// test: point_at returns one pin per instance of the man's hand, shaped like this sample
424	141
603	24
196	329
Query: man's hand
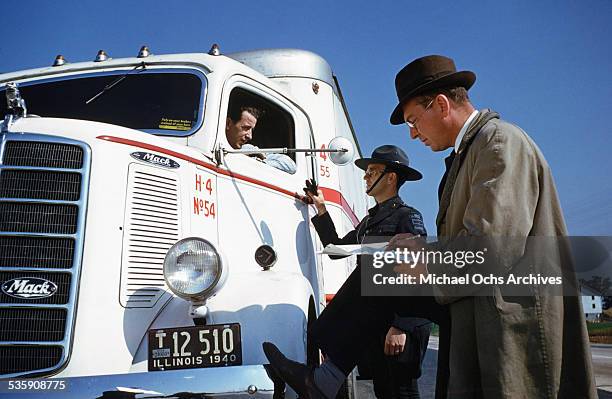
394	342
412	243
406	240
259	156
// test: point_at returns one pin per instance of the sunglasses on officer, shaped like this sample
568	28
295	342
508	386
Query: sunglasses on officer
373	172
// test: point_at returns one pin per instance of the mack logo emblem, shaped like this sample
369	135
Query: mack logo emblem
29	288
155	159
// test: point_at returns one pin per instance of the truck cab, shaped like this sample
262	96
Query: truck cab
140	253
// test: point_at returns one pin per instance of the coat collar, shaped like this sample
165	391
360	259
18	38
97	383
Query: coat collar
474	127
384	209
464	129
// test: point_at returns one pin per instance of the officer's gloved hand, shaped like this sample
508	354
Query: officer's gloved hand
311	187
315	196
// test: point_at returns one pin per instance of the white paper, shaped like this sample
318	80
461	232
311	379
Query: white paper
355	249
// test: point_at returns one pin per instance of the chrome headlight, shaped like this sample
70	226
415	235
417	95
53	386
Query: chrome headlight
193	268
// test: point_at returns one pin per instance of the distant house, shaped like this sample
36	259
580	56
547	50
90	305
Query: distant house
592	302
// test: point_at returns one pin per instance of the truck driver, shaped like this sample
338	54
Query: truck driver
239	126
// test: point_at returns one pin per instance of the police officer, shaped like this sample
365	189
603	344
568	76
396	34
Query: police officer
395	357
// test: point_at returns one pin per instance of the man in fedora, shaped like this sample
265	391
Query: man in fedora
497	184
351	322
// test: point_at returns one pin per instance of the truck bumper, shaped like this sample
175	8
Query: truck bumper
226	382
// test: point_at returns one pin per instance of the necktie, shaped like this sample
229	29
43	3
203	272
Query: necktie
448	161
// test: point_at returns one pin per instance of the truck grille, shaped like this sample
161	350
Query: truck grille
43	196
36	252
43	154
32	324
18	359
38	218
40	185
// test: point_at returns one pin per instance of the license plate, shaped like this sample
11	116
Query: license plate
195	347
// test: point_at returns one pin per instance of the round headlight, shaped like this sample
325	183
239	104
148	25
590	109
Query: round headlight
192	268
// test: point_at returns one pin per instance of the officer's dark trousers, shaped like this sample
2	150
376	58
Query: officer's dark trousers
351	321
391	378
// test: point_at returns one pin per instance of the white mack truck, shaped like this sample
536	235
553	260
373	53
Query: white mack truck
141	255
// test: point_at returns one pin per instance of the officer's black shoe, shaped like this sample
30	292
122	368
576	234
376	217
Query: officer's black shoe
297	375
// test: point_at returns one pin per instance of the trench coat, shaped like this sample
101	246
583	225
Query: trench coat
499	184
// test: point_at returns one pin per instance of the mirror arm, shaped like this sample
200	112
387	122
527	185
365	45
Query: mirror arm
341	151
280	150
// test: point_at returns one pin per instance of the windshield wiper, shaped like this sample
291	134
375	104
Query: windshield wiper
116	81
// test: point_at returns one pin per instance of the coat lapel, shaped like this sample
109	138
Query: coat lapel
481	119
448	162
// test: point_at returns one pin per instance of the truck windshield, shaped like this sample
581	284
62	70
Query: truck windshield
167	102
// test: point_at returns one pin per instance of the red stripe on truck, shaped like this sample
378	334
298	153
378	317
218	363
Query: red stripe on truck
330	195
336	197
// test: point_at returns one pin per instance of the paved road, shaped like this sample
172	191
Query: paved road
602	364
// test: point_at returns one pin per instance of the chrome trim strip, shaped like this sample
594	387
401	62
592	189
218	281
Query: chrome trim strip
34	269
32	343
38	201
75	270
33	306
226	382
27	234
44	169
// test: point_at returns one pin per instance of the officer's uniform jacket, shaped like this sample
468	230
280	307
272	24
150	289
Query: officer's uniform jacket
383	220
386	219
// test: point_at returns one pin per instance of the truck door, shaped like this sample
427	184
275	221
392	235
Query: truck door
258	200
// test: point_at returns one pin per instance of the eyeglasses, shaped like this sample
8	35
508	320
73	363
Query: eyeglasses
412	124
370	173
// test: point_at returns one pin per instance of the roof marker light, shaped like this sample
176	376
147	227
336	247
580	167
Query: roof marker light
101	56
59	60
144	52
214	50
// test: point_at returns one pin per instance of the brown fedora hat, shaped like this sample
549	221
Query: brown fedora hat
425	74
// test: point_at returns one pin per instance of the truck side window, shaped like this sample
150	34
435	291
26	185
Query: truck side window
254	121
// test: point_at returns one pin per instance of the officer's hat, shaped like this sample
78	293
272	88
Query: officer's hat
394	158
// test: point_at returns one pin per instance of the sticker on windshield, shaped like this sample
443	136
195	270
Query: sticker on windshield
175	124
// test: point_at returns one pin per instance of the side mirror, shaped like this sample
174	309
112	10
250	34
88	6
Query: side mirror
343	151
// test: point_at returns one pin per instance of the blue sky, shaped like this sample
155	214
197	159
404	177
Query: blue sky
543	65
